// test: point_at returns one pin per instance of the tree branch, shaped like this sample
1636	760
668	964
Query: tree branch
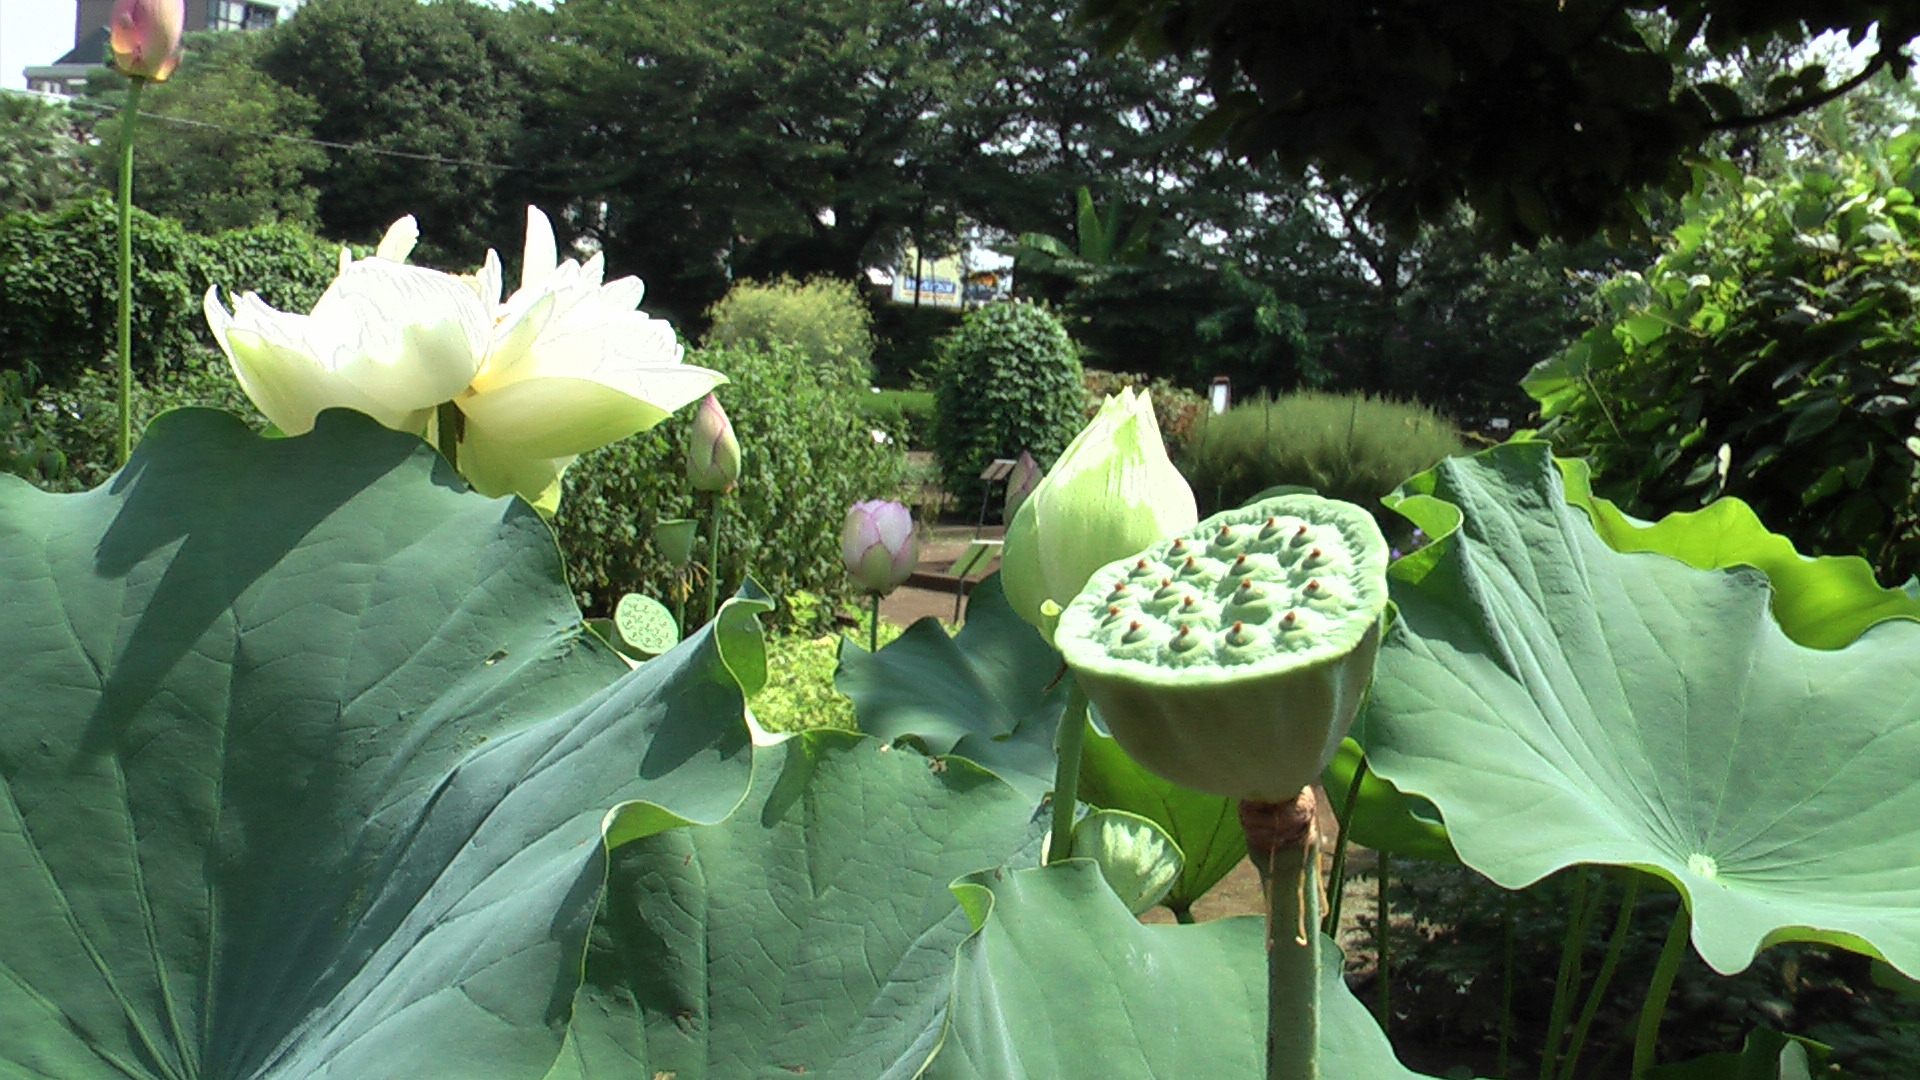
1810	101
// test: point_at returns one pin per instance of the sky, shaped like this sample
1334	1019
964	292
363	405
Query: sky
32	32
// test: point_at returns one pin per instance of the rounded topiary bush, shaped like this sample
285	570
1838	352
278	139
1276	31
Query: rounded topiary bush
1007	380
807	454
1345	446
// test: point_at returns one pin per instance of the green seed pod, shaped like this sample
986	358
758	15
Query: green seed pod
1232	659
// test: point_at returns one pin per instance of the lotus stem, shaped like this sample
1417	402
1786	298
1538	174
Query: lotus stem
1506	982
1566	983
1182	915
1383	938
129	119
1616	944
1066	775
446	432
1646	1040
873	628
1337	876
713	555
1282	845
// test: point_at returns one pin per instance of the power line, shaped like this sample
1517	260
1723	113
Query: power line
356	148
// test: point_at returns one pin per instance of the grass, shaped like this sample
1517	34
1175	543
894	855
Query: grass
799	694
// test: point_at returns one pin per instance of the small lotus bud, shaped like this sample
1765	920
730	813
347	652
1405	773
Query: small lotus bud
879	545
145	37
713	454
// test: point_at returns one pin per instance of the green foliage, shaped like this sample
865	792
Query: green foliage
1344	446
1176	409
907	415
42	160
907	342
1768	354
807	455
218	145
824	319
447	80
1547	120
67	435
58	291
307	716
1008	380
800	695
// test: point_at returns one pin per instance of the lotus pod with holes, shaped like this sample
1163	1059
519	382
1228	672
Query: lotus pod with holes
1232	658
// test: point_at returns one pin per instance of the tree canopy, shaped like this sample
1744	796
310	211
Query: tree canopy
1546	119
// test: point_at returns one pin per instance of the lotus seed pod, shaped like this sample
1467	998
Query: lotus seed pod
1232	659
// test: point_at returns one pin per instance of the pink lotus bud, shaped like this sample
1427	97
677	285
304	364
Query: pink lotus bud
713	453
146	37
1020	484
879	545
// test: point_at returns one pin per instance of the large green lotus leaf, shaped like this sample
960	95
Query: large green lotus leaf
811	933
1564	703
1383	818
306	762
1766	1055
1059	980
1824	602
991	693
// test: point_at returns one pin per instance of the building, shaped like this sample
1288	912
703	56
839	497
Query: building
89	53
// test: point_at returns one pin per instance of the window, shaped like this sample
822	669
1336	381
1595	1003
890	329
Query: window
240	15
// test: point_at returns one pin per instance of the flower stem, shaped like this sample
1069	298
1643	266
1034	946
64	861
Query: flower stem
1566	983
1506	982
1337	876
1383	937
873	629
713	555
1282	846
446	424
1647	1038
1615	946
1066	774
129	119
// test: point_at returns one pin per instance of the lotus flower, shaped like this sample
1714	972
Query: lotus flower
573	366
563	366
879	545
387	339
1112	493
713	453
145	37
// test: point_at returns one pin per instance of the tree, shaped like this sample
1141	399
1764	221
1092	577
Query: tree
434	98
1546	119
221	146
41	160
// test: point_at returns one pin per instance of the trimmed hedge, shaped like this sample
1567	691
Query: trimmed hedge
1344	446
59	293
824	319
1008	380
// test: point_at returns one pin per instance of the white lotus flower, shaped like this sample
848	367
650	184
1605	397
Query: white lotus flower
573	366
390	340
564	365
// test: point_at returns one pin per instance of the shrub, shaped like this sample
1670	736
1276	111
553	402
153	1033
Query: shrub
58	287
825	320
906	344
1769	353
67	438
1177	410
808	454
1008	380
1344	446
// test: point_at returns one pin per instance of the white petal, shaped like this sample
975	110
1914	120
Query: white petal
623	294
538	259
410	337
398	243
555	417
494	470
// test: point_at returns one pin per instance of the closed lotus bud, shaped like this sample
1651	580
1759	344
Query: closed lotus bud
145	37
1113	492
713	453
1232	659
1020	484
879	546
